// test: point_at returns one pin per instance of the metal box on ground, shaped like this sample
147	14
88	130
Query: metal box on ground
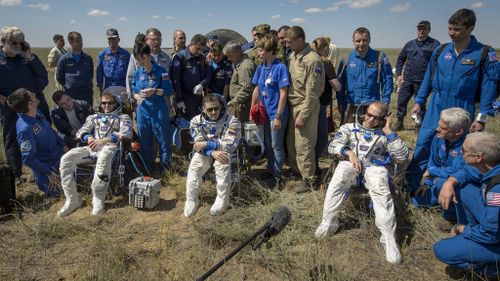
144	192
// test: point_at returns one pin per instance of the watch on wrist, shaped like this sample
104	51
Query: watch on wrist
456	229
481	117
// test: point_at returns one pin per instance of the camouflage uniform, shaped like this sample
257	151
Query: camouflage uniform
240	88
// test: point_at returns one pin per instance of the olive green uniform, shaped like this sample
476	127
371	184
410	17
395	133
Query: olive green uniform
307	84
241	88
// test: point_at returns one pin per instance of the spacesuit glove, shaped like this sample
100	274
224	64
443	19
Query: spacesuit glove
181	106
198	90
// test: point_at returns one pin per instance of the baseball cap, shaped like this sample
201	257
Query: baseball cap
262	28
424	23
111	33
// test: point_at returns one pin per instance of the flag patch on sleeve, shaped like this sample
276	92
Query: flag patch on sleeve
492	56
493	199
232	132
25	146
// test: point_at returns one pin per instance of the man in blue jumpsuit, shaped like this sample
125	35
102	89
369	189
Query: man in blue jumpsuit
41	148
189	74
112	63
414	57
19	68
75	70
475	244
150	85
455	83
220	71
368	74
445	159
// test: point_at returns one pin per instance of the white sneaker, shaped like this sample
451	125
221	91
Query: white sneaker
70	206
392	253
219	207
326	229
97	206
190	208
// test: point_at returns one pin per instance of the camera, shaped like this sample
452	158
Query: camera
25	46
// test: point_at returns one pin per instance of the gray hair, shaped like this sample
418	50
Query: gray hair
232	46
487	144
456	118
10	34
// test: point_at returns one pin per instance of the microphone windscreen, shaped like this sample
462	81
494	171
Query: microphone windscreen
279	220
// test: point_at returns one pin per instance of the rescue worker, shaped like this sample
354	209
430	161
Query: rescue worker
475	242
307	83
102	132
260	31
112	63
414	57
455	82
367	75
41	148
150	85
189	77
54	56
19	68
368	146
69	116
445	159
75	70
216	134
219	71
240	86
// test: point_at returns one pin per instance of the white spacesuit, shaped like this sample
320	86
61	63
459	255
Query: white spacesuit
374	150
223	135
114	125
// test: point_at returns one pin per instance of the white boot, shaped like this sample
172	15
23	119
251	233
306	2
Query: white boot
326	228
97	205
72	203
190	208
219	207
392	253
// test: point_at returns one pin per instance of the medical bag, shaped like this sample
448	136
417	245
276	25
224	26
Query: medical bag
144	192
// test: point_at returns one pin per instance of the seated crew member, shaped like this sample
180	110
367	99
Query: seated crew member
69	116
475	242
445	159
102	131
41	147
216	134
368	146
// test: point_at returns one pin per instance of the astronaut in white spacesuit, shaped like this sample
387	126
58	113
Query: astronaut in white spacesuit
102	131
216	134
368	146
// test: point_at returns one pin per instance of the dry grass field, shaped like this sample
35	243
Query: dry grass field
161	244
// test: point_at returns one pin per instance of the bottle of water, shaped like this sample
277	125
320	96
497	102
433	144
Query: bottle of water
416	118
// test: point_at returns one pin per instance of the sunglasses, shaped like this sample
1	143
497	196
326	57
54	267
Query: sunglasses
379	118
213	109
108	102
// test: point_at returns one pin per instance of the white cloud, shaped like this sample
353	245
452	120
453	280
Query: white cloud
155	17
318	10
332	9
72	21
479	4
273	17
43	7
170	18
400	8
97	13
10	2
210	15
294	1
122	18
298	20
358	4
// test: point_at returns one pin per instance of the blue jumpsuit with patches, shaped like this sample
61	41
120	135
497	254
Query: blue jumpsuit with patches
41	148
219	76
445	160
478	247
153	114
112	68
454	84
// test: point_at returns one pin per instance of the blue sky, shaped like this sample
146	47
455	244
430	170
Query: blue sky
391	22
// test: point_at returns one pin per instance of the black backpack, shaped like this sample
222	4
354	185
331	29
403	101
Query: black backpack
7	189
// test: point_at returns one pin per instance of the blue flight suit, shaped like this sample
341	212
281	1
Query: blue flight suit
360	81
414	57
18	72
112	68
478	247
153	120
187	72
41	148
75	74
454	85
445	159
219	76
